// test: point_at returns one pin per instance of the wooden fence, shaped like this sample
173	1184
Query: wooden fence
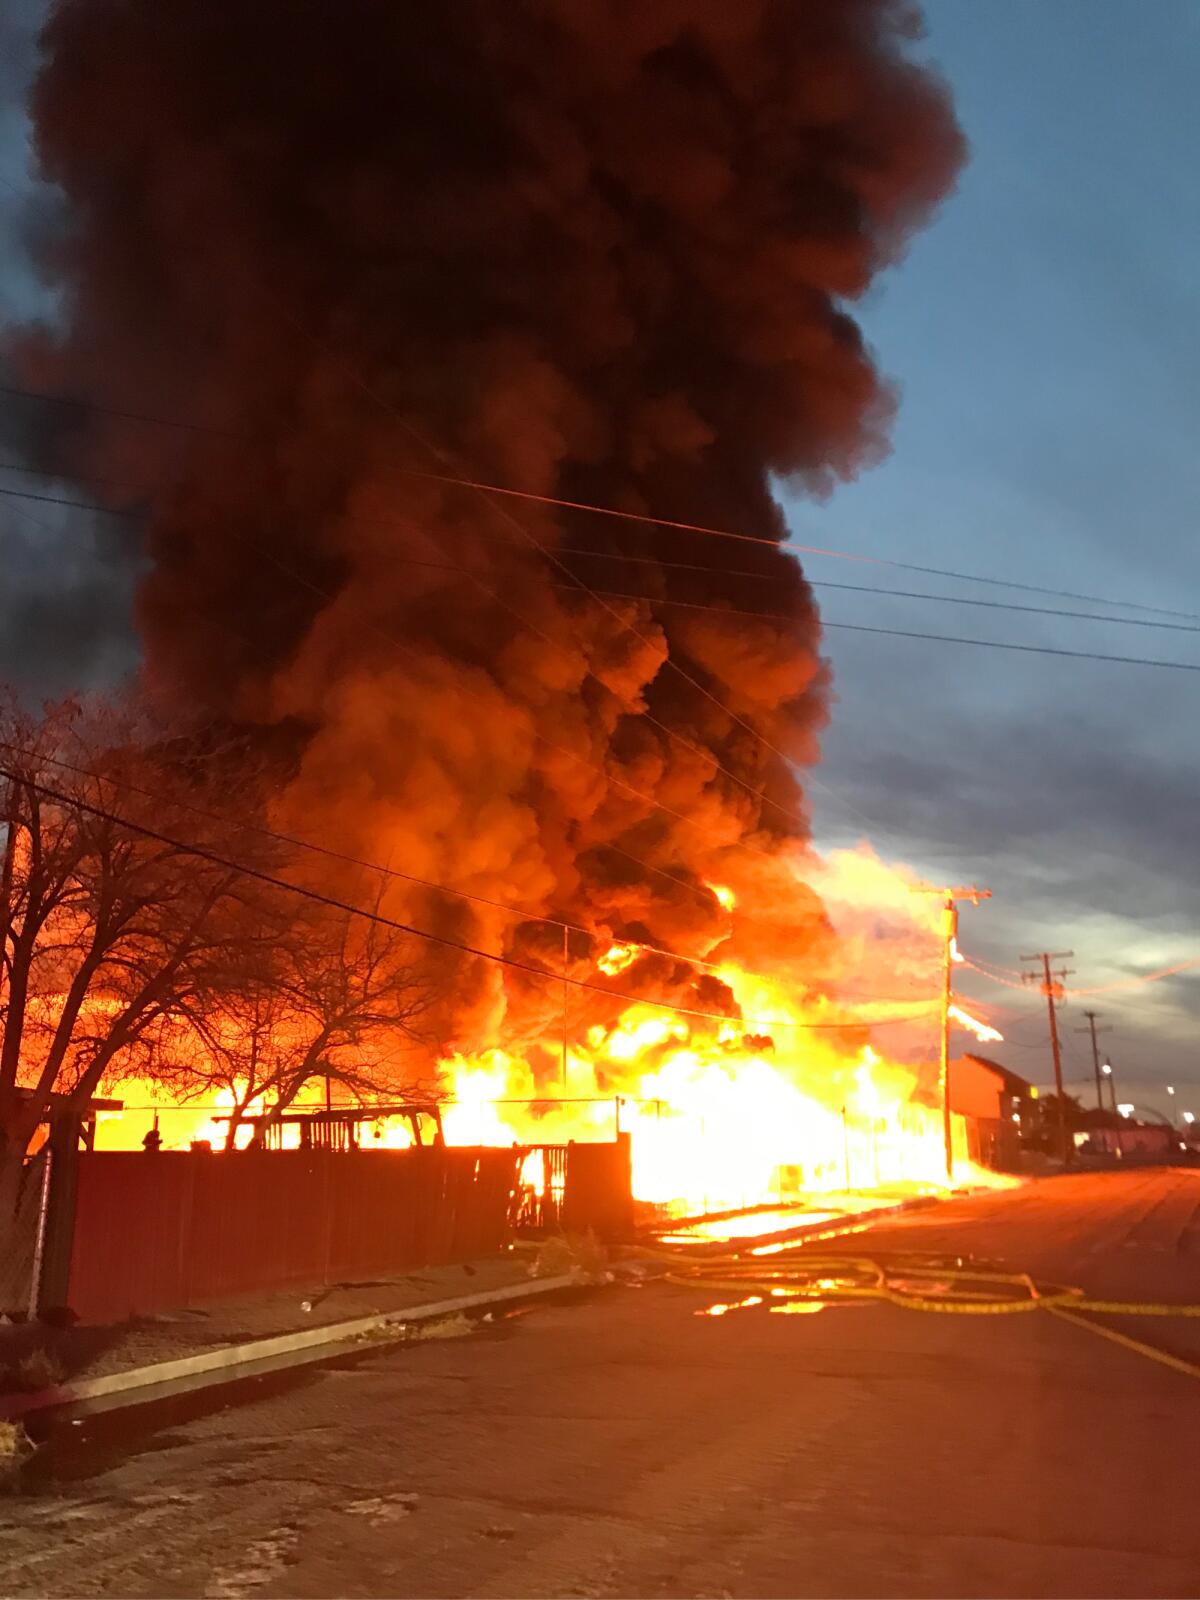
164	1230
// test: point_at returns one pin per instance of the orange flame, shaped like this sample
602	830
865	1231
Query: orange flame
790	1095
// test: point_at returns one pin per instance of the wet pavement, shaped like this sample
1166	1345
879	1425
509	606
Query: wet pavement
627	1446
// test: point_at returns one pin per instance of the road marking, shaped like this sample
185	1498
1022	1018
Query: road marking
1136	1345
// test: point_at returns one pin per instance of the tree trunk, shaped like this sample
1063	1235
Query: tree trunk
12	1165
236	1113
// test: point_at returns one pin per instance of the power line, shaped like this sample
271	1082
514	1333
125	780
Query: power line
707	567
691	605
69	402
325	594
894	594
792	816
993	976
784	545
598	510
1027	649
1136	982
908	633
202	853
548	554
76	505
658	805
298	842
405	645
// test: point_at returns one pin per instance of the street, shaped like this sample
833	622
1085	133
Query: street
623	1445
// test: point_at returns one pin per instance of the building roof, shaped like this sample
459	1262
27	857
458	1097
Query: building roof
64	1102
1013	1083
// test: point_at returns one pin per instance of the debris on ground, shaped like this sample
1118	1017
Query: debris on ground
636	1273
40	1369
577	1255
454	1327
37	1369
16	1447
382	1509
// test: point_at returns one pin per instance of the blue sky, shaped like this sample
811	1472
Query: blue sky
1044	340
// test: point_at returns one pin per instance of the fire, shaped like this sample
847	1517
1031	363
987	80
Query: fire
983	1031
793	1094
786	1098
722	1308
616	958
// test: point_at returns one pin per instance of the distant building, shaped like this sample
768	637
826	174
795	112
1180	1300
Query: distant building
1139	1140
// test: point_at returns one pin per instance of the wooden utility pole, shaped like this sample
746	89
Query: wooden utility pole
1093	1030
1053	989
565	960
1107	1070
949	934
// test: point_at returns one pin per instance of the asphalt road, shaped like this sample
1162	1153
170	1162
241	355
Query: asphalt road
626	1446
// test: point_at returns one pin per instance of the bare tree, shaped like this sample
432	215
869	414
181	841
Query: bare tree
110	922
340	1003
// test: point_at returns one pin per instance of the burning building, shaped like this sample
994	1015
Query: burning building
493	329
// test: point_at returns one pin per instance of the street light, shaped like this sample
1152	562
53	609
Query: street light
1188	1116
1126	1108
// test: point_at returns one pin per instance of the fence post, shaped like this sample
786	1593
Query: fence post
39	1242
58	1240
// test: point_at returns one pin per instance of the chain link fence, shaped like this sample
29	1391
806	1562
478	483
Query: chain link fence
19	1259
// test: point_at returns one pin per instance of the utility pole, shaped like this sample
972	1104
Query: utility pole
565	959
1052	990
1094	1030
949	952
1107	1070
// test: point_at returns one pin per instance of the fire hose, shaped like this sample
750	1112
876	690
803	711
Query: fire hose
929	1283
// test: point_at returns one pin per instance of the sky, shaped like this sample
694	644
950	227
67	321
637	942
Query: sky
1040	339
1044	340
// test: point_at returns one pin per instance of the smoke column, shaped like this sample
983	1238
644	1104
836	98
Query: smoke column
600	251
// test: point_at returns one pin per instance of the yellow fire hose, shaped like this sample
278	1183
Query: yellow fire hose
915	1283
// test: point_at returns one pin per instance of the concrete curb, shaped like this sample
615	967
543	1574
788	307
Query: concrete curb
286	1349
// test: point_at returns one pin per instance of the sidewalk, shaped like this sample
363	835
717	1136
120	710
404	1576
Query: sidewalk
70	1355
93	1352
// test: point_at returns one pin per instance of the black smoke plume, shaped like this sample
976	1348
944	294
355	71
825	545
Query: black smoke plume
598	251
